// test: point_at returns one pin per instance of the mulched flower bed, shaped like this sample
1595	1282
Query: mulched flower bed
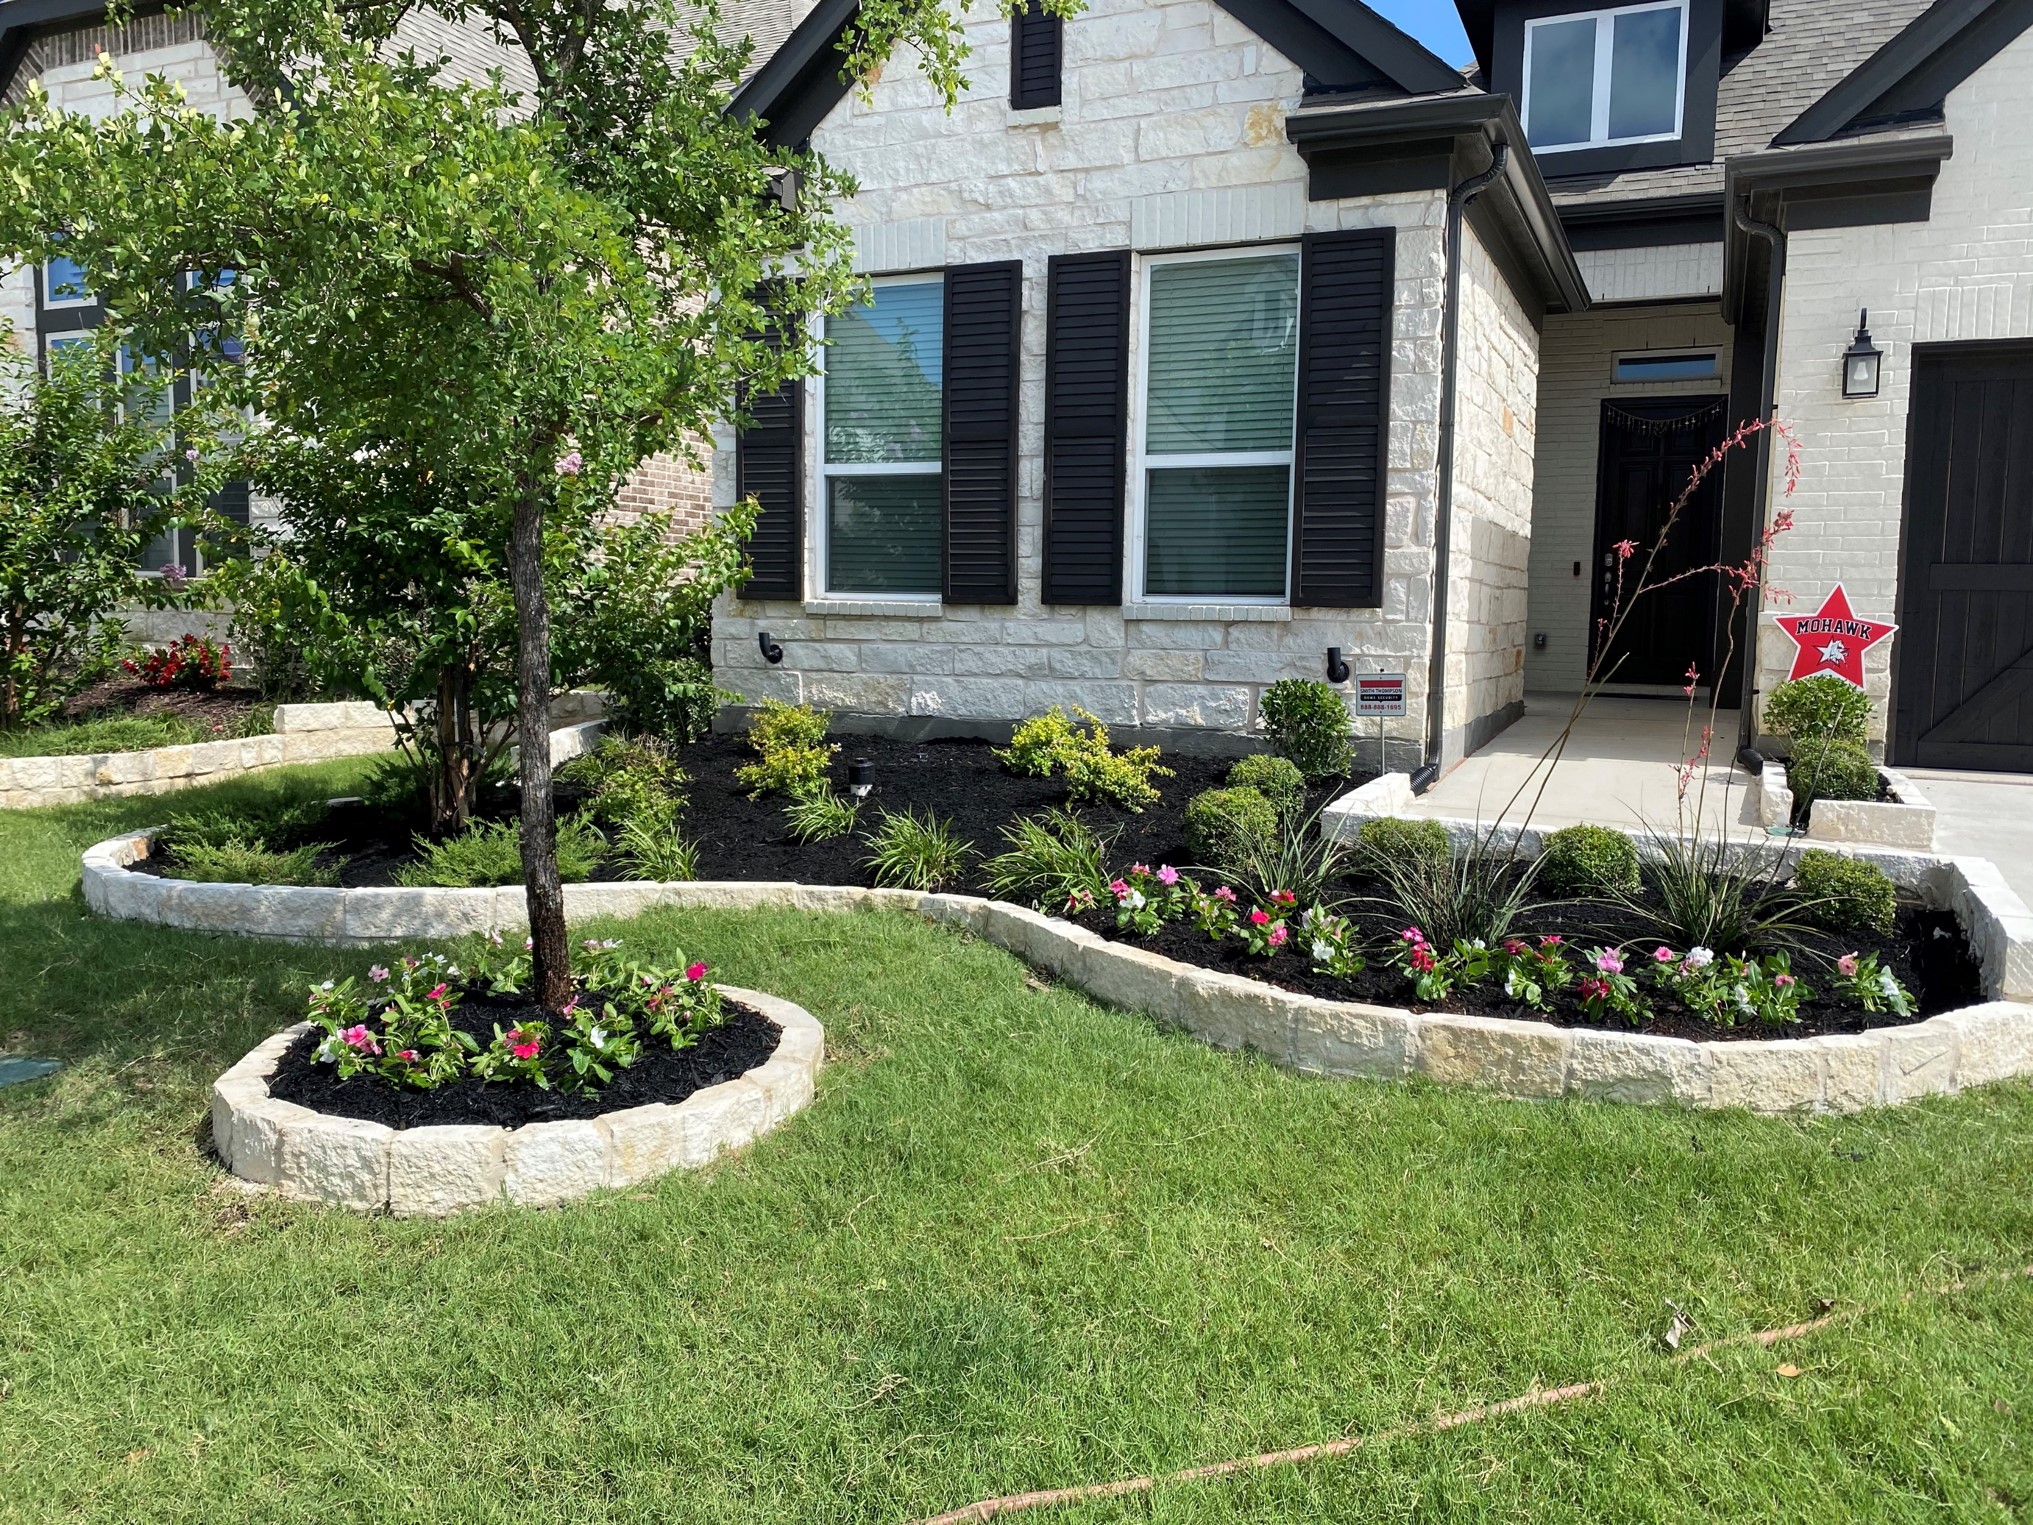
745	1041
221	711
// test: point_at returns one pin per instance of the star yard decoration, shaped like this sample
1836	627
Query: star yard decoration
1832	639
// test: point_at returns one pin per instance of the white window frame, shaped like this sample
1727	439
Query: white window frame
1598	116
59	304
822	536
1142	461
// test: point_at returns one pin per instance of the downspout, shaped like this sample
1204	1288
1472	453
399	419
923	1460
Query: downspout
1443	511
1761	493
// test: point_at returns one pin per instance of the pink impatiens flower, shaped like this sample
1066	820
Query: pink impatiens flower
1259	917
1278	934
377	973
695	972
1422	958
1413	936
1139	868
523	1045
1663	955
1168	876
1514	946
1609	961
1283	897
436	992
1593	989
1846	966
1225	895
358	1038
1551	942
1119	888
1782	980
408	1056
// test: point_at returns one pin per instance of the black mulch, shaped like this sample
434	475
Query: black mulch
746	1040
219	710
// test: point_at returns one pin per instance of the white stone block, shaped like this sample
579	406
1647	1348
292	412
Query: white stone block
1778	1076
1230	1011
549	1163
719	1118
642	1143
1994	1042
1522	1059
1127	977
1637	1067
437	1170
1852	1070
1349	1038
252	1148
341	1160
1919	1059
786	1085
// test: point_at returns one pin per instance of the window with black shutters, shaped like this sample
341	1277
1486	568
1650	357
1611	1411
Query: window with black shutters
1034	43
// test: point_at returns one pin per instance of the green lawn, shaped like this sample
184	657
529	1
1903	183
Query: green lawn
1019	1241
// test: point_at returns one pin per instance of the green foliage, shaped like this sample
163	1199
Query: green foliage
1050	859
1050	744
629	778
1830	770
1299	859
1844	894
251	862
103	733
82	494
1390	840
650	848
274	632
1473	897
793	753
1225	828
274	825
1820	707
1710	895
916	854
1308	722
1582	861
490	853
1277	779
818	815
642	628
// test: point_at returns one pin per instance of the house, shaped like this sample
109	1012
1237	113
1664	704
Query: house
1211	336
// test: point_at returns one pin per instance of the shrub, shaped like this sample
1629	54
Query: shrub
1821	707
1821	769
1844	894
1277	779
1588	861
818	815
270	826
275	628
254	862
629	778
652	850
1050	743
1389	840
915	854
1052	858
1226	827
790	740
490	853
190	661
1309	724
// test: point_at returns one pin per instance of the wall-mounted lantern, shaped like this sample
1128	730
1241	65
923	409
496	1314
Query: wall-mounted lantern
1860	362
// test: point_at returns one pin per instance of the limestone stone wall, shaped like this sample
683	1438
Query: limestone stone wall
1964	274
1495	434
1170	136
1574	381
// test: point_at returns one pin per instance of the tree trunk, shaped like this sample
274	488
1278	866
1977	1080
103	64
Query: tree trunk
455	767
545	895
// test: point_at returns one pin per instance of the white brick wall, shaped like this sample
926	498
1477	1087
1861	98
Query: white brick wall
1171	132
1496	422
1964	274
1653	274
1574	378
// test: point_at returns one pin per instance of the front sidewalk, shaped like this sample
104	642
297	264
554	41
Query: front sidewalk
1621	768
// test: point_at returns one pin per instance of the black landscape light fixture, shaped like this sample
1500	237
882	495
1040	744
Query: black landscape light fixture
772	653
860	777
1337	670
1860	361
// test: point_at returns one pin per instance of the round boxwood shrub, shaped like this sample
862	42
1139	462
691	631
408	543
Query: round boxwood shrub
1821	769
1844	894
1277	779
1821	707
1389	839
1588	860
1225	826
1309	723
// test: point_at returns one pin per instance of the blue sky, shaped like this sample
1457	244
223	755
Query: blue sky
1433	22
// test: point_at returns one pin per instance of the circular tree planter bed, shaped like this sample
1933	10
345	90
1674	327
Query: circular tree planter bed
672	1111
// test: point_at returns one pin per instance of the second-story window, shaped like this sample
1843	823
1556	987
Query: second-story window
1605	77
1035	37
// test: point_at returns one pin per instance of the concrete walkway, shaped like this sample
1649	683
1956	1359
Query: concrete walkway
1983	815
1620	768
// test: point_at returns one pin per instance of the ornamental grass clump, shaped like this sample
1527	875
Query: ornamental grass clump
490	853
1708	893
916	854
1052	860
404	1026
819	815
254	862
102	733
1297	858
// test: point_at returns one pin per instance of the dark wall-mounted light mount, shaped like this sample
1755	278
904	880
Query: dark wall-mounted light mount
1861	361
772	653
1337	670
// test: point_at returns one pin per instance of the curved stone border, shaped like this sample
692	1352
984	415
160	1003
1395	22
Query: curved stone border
1941	1055
432	1171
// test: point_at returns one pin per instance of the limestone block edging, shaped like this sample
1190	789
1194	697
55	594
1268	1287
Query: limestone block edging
1944	1054
1906	820
432	1171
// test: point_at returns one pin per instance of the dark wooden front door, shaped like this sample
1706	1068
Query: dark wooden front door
1962	691
1649	448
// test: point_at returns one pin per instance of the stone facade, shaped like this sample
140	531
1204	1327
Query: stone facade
1964	274
1574	382
1170	135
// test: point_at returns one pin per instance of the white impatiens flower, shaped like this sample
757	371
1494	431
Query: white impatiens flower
598	1037
1698	958
326	986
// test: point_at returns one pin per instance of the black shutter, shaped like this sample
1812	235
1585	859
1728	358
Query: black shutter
1086	426
1345	298
984	308
767	467
1034	39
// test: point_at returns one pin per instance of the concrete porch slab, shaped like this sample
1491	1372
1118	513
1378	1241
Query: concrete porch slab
1986	815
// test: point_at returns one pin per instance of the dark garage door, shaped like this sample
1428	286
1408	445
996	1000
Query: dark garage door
1963	689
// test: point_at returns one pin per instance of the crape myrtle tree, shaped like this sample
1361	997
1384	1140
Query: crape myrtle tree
94	465
523	297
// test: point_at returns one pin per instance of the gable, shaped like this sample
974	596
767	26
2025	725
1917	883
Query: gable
1908	79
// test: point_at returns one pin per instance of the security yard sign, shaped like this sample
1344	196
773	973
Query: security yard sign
1832	640
1380	694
